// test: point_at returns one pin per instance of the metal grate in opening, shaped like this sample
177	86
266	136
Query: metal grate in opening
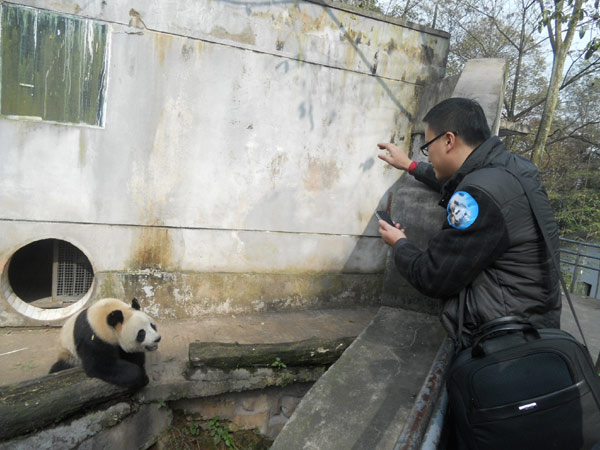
74	272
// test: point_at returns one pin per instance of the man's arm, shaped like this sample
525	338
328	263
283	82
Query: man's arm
455	256
395	156
422	171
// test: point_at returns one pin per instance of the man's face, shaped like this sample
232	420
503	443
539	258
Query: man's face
438	156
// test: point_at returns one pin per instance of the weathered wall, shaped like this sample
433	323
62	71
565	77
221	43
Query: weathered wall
237	167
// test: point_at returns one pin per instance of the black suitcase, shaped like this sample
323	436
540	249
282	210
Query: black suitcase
525	389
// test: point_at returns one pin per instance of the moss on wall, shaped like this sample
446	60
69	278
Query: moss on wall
176	295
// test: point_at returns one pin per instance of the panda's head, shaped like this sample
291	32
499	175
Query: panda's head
135	330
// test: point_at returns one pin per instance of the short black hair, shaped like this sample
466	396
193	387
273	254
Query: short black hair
463	116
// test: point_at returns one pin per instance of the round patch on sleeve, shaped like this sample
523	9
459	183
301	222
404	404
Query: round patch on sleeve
462	210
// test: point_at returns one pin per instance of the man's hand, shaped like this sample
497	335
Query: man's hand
396	156
391	234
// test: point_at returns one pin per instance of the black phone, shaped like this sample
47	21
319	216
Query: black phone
382	215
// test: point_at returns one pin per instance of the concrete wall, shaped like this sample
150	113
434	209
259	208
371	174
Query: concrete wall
236	170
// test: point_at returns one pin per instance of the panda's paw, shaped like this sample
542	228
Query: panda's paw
60	365
140	382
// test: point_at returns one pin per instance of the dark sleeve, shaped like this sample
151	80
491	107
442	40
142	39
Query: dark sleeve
425	174
454	257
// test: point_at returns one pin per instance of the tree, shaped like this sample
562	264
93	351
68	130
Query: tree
560	41
571	167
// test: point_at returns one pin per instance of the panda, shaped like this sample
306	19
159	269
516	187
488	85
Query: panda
109	339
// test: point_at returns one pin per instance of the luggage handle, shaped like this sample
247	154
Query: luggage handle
477	350
501	321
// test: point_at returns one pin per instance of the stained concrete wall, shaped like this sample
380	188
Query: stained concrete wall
236	170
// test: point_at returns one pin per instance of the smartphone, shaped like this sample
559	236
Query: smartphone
382	215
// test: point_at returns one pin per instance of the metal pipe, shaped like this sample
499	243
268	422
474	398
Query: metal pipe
420	415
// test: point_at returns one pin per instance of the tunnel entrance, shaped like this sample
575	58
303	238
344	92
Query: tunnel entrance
50	273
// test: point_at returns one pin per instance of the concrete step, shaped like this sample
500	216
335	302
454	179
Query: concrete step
364	399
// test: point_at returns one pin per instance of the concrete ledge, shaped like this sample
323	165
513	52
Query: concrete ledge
209	382
116	427
364	399
41	402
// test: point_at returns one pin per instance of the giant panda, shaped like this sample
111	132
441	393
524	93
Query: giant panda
109	340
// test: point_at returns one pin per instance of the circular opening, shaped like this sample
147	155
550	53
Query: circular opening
48	279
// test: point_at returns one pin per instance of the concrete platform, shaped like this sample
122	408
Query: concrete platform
588	313
27	353
364	399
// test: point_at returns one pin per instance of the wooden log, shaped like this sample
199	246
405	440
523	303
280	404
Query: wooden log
34	404
310	352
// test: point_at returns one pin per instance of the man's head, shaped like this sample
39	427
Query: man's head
455	127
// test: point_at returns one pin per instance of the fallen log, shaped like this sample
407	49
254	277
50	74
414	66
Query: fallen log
34	404
310	352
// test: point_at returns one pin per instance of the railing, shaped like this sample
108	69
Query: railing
580	261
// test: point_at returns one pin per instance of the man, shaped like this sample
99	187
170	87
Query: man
490	250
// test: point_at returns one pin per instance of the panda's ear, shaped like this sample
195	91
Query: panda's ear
115	318
135	304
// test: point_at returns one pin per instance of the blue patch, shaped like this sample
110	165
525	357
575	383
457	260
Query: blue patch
462	210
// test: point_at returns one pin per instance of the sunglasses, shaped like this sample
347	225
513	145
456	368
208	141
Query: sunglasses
425	147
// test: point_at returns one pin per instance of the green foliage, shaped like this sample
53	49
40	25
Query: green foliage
557	14
571	164
220	433
193	429
287	379
578	213
574	192
593	15
592	48
278	364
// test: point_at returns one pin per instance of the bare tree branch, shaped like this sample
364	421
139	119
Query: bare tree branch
593	67
580	138
473	36
573	133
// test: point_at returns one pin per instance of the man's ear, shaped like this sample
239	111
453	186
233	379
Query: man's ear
115	318
135	304
450	141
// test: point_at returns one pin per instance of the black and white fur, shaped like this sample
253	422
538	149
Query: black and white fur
109	339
